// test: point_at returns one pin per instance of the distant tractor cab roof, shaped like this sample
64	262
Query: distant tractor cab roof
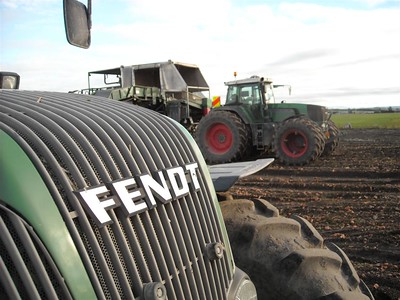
252	79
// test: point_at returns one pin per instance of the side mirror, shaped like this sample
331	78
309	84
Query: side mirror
9	80
77	19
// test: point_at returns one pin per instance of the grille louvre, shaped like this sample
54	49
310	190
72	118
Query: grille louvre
26	269
316	113
165	244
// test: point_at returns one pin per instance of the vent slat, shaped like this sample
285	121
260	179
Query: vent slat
26	271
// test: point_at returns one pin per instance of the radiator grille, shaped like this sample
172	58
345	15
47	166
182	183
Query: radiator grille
316	113
26	269
84	141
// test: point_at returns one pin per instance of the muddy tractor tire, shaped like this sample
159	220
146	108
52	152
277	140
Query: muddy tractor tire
222	137
333	141
298	141
288	258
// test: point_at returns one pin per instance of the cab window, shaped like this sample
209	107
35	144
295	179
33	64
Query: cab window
246	94
232	96
269	94
250	94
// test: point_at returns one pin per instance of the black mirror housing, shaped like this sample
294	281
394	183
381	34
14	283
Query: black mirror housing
9	80
77	19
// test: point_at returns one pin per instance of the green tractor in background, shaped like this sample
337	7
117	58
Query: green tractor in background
251	124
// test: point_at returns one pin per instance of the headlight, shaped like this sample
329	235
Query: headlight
242	287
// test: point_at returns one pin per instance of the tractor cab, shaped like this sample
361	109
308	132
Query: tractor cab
250	97
251	91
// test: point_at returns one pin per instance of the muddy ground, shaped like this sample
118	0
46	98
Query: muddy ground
352	197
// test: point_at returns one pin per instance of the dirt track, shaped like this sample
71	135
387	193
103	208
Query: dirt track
352	197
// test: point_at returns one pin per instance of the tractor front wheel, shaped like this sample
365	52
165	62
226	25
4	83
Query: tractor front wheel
288	258
222	137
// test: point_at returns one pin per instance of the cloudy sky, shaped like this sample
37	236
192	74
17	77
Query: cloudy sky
334	53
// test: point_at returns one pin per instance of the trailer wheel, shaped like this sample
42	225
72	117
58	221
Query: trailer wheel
298	141
333	141
288	258
222	137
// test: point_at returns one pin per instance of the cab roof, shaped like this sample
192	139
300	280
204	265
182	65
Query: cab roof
252	79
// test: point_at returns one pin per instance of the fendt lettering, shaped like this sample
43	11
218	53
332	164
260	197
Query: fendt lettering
137	194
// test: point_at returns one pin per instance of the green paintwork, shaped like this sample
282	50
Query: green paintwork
302	108
281	111
23	189
250	114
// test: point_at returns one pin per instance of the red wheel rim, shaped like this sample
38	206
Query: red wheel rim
294	143
219	138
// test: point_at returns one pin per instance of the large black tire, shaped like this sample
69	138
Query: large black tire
332	143
288	258
222	137
298	141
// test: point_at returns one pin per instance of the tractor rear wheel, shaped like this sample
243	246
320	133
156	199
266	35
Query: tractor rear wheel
222	137
298	141
333	141
288	258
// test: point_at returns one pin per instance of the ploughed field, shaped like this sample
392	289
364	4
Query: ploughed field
352	197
